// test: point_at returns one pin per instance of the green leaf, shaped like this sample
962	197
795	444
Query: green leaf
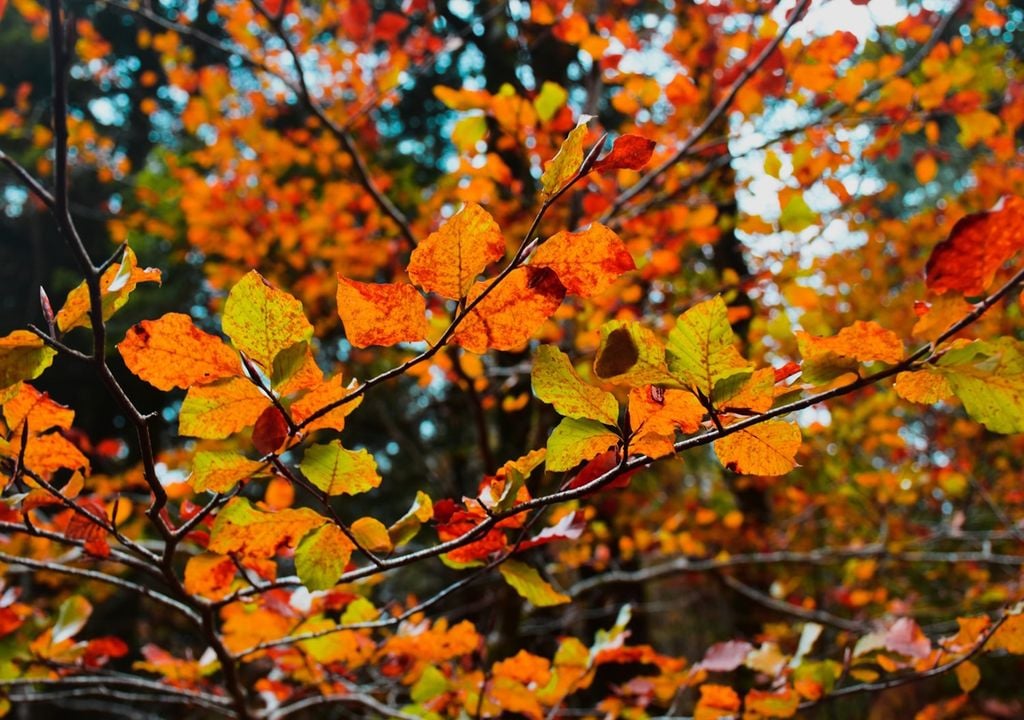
555	381
72	616
702	350
337	471
564	166
631	354
432	683
321	557
529	584
262	320
218	471
574	441
797	215
988	377
23	356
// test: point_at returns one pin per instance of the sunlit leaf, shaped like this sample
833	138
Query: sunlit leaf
172	352
221	409
381	313
702	348
322	556
262	320
555	381
574	441
586	262
530	585
767	448
449	260
338	471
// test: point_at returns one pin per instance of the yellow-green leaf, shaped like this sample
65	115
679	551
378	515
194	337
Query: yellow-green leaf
262	320
116	284
218	471
988	377
551	97
702	350
555	382
219	410
321	557
337	471
23	356
529	584
564	166
574	441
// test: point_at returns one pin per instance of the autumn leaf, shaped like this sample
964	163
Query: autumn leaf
220	470
209	575
372	535
702	350
629	152
988	378
381	313
72	616
656	413
567	162
449	260
587	262
716	701
574	441
322	556
555	381
1009	636
295	369
23	356
262	320
221	409
631	354
767	448
172	352
906	638
726	656
771	704
116	285
922	386
245	530
406	527
863	341
978	245
320	396
338	471
510	314
38	408
270	431
529	584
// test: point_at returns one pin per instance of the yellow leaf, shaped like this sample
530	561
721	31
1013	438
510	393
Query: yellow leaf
262	320
567	162
529	584
337	471
372	535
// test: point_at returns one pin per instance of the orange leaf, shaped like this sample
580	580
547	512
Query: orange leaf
209	575
321	396
781	704
42	412
716	701
629	152
252	533
976	248
655	414
116	285
381	313
587	262
51	452
864	342
512	312
449	260
172	352
1009	636
768	448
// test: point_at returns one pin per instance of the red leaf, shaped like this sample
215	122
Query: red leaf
270	431
629	152
967	261
98	651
